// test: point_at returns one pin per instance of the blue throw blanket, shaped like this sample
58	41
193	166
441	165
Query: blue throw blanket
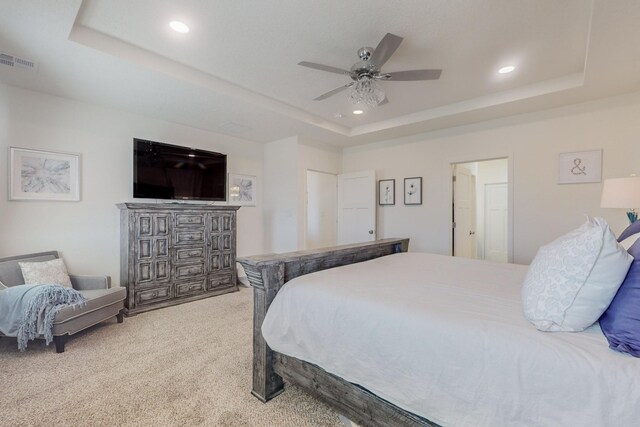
27	311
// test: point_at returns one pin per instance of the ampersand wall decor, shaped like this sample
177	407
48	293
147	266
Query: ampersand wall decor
577	169
580	167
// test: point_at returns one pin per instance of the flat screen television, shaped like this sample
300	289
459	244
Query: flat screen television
165	171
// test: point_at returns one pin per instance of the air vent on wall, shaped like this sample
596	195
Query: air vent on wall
17	62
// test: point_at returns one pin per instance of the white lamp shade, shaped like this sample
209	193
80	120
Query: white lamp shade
621	193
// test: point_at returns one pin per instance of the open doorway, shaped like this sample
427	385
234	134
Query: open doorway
480	210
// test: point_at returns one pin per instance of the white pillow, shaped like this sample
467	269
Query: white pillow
573	279
2	286
52	272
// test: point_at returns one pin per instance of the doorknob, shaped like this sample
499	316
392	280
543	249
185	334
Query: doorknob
370	231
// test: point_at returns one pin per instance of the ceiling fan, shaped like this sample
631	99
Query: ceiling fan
366	72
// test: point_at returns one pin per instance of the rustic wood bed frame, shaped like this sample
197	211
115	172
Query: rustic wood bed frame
267	274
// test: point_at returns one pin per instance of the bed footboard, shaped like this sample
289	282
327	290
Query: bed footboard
267	274
356	403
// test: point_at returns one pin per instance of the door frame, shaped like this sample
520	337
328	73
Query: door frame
510	204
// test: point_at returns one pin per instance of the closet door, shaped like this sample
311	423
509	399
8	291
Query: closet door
356	207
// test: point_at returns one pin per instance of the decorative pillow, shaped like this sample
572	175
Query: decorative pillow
620	323
634	228
629	241
52	272
630	235
572	280
2	286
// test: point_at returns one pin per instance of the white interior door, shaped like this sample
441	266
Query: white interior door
322	210
356	207
464	213
496	218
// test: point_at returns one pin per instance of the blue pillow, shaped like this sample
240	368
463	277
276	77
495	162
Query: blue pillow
620	322
630	231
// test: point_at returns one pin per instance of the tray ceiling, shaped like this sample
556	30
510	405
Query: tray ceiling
236	70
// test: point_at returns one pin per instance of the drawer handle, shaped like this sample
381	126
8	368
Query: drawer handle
194	253
155	294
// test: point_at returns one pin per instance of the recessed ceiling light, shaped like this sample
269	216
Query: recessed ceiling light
507	69
179	26
356	112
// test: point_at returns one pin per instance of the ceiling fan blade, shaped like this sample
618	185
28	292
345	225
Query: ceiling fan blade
332	92
384	101
413	75
385	49
324	67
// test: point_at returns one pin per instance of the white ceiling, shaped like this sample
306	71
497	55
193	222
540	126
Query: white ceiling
235	72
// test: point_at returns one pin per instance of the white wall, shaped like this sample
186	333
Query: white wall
281	195
285	165
543	210
87	232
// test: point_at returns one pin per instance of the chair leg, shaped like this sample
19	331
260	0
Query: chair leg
120	316
60	341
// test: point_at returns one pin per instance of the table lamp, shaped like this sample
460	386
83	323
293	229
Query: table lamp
622	193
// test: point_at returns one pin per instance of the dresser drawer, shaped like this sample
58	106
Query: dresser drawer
153	295
190	288
189	255
220	281
189	220
189	237
188	271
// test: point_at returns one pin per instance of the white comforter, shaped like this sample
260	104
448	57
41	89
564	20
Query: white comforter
445	338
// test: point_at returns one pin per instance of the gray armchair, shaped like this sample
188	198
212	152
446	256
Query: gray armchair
103	302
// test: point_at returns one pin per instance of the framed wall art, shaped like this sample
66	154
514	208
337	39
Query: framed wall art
580	167
413	191
387	192
242	189
43	175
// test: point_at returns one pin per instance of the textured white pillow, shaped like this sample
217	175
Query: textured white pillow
52	272
573	279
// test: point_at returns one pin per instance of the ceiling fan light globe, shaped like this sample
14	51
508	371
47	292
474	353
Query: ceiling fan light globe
366	92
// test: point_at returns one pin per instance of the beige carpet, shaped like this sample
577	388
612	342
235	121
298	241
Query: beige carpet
186	365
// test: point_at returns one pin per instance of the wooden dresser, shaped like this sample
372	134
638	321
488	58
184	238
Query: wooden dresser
172	253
